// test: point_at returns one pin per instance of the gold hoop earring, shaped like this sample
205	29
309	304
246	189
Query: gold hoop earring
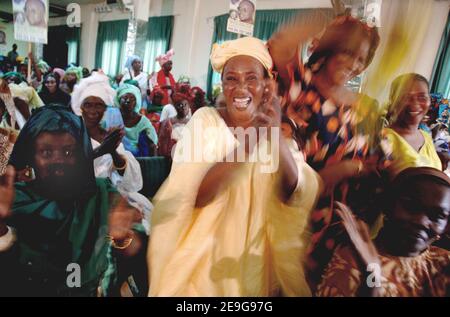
29	172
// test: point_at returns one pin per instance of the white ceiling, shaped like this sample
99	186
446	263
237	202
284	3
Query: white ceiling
6	5
64	3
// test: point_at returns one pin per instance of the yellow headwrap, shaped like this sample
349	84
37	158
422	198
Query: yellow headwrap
249	46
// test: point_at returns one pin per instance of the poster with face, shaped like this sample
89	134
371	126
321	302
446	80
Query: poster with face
3	44
30	20
2	37
368	11
241	18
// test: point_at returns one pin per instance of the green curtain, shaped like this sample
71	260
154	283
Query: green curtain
111	44
220	35
73	45
159	35
440	79
72	36
266	23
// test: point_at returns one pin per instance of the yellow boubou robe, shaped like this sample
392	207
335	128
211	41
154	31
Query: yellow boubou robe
246	242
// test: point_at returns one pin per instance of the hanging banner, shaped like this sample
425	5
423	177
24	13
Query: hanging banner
368	11
3	43
30	20
242	17
373	13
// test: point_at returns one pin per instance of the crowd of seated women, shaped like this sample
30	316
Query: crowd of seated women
358	204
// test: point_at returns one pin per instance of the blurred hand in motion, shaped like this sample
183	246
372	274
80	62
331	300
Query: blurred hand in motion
359	235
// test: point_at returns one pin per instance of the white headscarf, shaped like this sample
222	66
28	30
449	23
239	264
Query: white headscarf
96	85
131	59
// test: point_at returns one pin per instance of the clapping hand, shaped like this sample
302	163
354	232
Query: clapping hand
359	235
110	143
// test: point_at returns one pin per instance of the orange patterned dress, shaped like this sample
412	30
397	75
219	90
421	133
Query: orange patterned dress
426	275
7	139
331	133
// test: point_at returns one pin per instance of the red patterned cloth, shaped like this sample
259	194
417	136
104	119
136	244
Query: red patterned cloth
161	79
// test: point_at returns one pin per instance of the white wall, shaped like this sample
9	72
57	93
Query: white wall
194	24
432	40
22	47
408	44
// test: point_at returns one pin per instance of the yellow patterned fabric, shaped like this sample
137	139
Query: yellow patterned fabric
426	275
246	242
27	94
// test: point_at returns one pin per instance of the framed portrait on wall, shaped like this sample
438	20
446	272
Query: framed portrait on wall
241	18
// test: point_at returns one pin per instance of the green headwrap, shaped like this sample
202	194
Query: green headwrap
132	82
43	66
14	74
78	71
129	89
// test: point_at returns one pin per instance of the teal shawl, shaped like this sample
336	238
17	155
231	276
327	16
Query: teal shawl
51	236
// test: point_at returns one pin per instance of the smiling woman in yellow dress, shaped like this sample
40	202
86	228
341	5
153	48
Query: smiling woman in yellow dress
236	229
404	144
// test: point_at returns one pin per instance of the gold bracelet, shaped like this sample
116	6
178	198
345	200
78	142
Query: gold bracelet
121	168
120	247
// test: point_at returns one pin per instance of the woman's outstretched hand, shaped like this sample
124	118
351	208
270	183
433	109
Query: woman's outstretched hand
269	114
110	143
359	235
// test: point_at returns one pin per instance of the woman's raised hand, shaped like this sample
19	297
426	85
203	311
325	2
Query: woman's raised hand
359	235
269	114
